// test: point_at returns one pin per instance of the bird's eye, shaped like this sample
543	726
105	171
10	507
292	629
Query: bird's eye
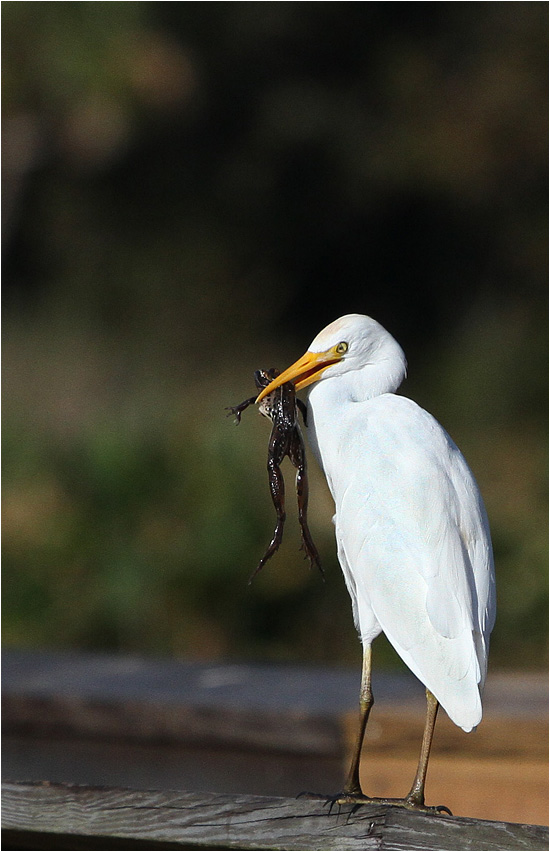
341	348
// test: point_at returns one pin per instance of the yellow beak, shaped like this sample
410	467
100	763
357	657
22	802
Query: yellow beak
303	372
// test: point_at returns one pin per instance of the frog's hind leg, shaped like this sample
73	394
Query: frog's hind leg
277	487
297	456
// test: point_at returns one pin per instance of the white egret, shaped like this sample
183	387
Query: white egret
411	528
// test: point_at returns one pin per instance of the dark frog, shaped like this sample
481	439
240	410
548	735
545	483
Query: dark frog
281	407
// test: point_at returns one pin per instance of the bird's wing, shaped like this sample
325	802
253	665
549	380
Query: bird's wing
412	525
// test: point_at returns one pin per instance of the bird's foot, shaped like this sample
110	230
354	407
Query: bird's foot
356	800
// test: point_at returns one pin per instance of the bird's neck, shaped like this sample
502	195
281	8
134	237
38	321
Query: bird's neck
374	379
330	399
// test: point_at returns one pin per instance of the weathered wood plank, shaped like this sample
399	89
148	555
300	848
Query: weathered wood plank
33	841
137	722
306	710
211	821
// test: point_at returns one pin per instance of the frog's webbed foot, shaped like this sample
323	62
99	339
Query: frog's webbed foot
273	546
310	550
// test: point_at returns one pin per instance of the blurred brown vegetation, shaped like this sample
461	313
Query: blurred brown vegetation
191	191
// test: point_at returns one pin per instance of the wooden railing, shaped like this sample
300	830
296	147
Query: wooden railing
41	814
98	749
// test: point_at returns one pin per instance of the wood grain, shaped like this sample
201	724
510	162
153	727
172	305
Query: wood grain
210	821
265	730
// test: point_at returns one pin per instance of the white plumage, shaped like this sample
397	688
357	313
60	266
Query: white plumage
412	533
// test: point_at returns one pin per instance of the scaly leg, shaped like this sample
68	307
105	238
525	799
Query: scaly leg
366	700
352	793
416	795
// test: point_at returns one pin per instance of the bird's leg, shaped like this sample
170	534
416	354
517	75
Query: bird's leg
416	794
277	488
353	785
297	456
352	793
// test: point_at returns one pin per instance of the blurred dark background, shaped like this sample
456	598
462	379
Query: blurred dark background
192	191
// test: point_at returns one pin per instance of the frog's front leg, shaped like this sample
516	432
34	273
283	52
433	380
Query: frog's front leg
303	408
275	455
237	410
297	456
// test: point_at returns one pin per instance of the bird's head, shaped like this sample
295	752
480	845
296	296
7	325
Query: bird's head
350	343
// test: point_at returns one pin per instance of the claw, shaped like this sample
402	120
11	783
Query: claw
353	810
442	809
357	800
331	803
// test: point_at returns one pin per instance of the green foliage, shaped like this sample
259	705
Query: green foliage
191	192
122	538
